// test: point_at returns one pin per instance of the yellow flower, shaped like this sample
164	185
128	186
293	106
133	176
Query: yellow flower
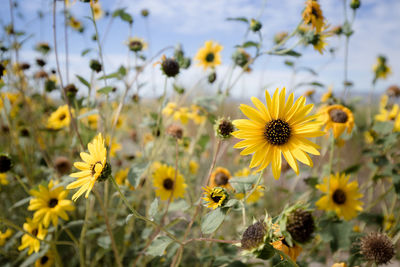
386	115
147	138
93	168
340	196
4	236
338	118
214	197
209	55
168	184
181	114
59	118
257	194
292	252
368	137
121	175
75	24
115	146
197	114
136	44
220	178
309	93
340	264
97	11
396	127
319	42
90	120
280	128
50	203
35	229
312	14
326	96
381	69
193	167
47	260
3	179
388	221
12	98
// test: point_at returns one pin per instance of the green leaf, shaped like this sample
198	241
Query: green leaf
109	76
20	203
291	53
250	44
135	172
159	245
82	80
105	90
104	242
352	169
243	184
123	15
212	220
383	127
84	52
267	252
284	263
153	208
231	203
242	19
311	181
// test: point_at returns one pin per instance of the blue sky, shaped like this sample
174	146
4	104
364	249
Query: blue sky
192	22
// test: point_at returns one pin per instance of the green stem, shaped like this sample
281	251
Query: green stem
138	215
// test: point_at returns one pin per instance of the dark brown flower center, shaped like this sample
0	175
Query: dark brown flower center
339	196
210	57
168	183
215	198
44	259
53	202
62	117
338	115
35	232
221	179
277	132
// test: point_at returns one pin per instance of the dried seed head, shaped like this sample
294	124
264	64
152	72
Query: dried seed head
393	91
254	235
300	225
95	65
5	163
62	165
224	128
170	67
41	74
71	90
175	131
40	62
377	247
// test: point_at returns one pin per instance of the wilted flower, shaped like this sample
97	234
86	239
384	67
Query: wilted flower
377	247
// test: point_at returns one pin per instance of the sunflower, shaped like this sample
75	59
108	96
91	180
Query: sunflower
220	178
387	115
168	184
197	114
90	120
319	43
312	14
339	264
292	252
97	11
381	69
32	240
338	118
4	236
115	146
193	167
281	127
93	168
59	118
214	197
121	175
209	55
326	96
181	114
340	196
47	260
3	179
136	44
50	204
75	24
257	194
